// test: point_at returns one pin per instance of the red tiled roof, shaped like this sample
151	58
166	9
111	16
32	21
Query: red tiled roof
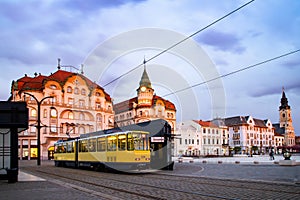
206	123
128	104
169	105
60	76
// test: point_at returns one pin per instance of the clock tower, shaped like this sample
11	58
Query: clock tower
285	120
145	91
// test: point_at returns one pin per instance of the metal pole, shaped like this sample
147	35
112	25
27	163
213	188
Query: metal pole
39	134
38	126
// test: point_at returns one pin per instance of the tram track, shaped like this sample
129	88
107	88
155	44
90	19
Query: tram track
116	184
228	183
160	185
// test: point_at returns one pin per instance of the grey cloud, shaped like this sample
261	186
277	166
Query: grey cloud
222	41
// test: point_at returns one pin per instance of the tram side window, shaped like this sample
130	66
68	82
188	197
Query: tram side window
130	144
101	144
122	142
62	148
111	143
92	145
70	148
140	141
83	146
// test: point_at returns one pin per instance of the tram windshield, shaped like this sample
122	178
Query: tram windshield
137	141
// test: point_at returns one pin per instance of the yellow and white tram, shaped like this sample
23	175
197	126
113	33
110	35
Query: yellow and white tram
120	151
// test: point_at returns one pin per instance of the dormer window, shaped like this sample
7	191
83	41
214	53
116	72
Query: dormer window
69	89
53	87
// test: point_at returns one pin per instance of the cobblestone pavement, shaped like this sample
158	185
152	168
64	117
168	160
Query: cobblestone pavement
188	181
267	173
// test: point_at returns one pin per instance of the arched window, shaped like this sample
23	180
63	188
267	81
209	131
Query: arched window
83	92
81	130
53	113
76	90
69	89
98	117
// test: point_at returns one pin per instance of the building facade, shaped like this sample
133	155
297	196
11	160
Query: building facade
285	125
248	135
70	105
201	138
146	106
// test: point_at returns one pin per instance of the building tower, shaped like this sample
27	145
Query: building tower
145	90
285	121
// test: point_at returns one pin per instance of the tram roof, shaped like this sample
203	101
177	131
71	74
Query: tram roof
154	127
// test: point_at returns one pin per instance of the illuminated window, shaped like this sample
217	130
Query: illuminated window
70	115
53	113
70	101
33	113
45	113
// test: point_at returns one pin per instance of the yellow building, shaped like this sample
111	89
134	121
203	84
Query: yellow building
70	105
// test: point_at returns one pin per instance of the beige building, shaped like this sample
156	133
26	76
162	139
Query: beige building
146	106
250	135
70	105
201	138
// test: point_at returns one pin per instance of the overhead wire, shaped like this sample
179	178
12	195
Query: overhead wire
236	71
181	41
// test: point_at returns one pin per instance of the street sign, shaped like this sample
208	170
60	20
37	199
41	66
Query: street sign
13	114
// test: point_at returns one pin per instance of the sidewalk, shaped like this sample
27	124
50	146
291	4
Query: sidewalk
240	159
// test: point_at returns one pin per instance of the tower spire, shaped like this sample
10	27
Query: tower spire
145	81
284	101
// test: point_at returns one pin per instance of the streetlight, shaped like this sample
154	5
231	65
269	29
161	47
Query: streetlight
38	125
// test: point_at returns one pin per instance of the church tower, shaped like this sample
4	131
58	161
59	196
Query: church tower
145	91
285	120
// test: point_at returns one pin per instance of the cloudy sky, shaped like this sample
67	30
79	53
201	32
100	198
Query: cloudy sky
35	33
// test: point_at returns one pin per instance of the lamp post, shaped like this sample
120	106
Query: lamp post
38	125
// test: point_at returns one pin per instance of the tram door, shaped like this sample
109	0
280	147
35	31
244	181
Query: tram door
160	153
51	153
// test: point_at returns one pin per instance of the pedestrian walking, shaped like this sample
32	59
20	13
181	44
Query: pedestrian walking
271	154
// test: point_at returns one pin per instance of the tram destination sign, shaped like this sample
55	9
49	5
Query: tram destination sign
157	139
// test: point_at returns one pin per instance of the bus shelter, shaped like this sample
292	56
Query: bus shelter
13	119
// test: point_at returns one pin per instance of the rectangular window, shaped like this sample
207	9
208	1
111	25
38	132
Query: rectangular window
70	101
101	144
83	146
111	143
122	142
92	145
